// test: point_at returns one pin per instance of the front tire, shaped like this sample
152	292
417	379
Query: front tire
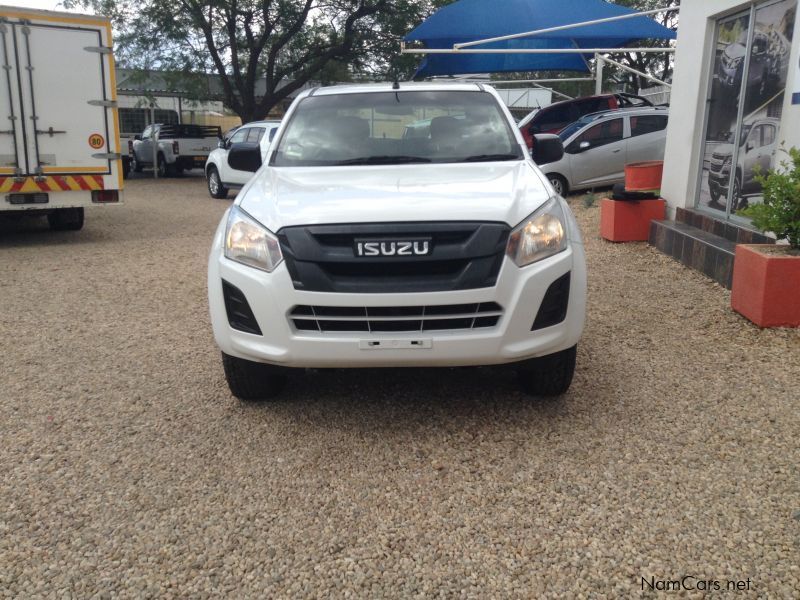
249	380
136	166
215	187
549	375
66	219
559	184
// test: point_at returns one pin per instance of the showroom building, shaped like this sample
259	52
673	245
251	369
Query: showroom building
735	102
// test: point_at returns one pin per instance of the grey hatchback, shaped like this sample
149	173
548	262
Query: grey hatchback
598	146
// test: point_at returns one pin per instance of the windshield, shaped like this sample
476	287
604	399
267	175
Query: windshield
396	128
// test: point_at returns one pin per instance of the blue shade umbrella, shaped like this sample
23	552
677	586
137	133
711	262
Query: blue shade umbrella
469	20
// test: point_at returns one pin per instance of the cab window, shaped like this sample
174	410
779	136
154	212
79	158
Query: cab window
255	134
767	135
239	136
601	134
647	124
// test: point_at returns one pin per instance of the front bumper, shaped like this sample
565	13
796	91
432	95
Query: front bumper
519	292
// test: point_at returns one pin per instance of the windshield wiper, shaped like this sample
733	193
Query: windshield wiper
491	157
383	160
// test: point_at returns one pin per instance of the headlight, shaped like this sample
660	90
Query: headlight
250	243
541	235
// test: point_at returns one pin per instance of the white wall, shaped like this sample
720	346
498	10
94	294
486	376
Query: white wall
682	160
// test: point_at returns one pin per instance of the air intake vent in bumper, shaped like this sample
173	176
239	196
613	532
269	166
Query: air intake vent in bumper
240	315
448	317
554	305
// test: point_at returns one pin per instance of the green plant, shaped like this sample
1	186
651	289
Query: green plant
780	211
589	200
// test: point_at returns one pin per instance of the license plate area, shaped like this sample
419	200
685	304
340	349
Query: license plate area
419	344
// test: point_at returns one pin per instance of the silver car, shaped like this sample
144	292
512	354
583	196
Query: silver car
598	146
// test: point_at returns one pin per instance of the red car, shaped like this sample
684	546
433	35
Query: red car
553	118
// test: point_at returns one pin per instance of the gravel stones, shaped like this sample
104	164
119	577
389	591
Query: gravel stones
129	471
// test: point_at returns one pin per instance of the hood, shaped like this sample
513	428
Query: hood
723	150
502	191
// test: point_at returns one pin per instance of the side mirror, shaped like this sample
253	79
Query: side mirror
584	146
221	144
749	147
137	137
245	156
547	148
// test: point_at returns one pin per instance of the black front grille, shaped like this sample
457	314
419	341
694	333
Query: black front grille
322	258
371	319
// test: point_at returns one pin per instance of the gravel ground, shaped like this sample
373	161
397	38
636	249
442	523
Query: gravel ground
129	470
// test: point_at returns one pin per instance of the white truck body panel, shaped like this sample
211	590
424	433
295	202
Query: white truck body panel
59	128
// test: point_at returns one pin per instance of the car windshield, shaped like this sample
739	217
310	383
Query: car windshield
401	127
745	132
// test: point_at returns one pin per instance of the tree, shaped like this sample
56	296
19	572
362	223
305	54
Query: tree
655	64
275	45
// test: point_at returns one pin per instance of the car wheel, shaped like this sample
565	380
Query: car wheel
215	187
549	375
714	193
136	166
737	190
65	219
126	167
249	380
559	184
165	169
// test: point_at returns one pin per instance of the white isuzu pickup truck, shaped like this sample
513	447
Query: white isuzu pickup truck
358	244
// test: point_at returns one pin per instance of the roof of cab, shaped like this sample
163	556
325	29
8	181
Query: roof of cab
361	88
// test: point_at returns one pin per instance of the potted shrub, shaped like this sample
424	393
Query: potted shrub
766	277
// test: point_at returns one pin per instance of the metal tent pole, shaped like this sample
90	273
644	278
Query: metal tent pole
525	34
598	68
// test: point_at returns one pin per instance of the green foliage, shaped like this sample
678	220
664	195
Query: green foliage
261	50
589	200
780	212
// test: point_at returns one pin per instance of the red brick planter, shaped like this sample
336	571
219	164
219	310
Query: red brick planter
644	176
626	221
766	285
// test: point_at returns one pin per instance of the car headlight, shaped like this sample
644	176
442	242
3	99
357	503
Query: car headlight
250	243
541	235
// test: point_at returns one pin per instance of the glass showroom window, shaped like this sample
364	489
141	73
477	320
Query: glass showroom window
745	98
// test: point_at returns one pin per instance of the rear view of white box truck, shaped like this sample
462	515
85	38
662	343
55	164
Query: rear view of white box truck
59	128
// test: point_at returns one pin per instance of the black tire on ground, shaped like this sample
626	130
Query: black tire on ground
737	190
559	184
136	166
549	375
164	168
714	193
65	219
252	381
126	167
215	187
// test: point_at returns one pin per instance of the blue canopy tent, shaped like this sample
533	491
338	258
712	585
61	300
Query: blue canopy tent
471	20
